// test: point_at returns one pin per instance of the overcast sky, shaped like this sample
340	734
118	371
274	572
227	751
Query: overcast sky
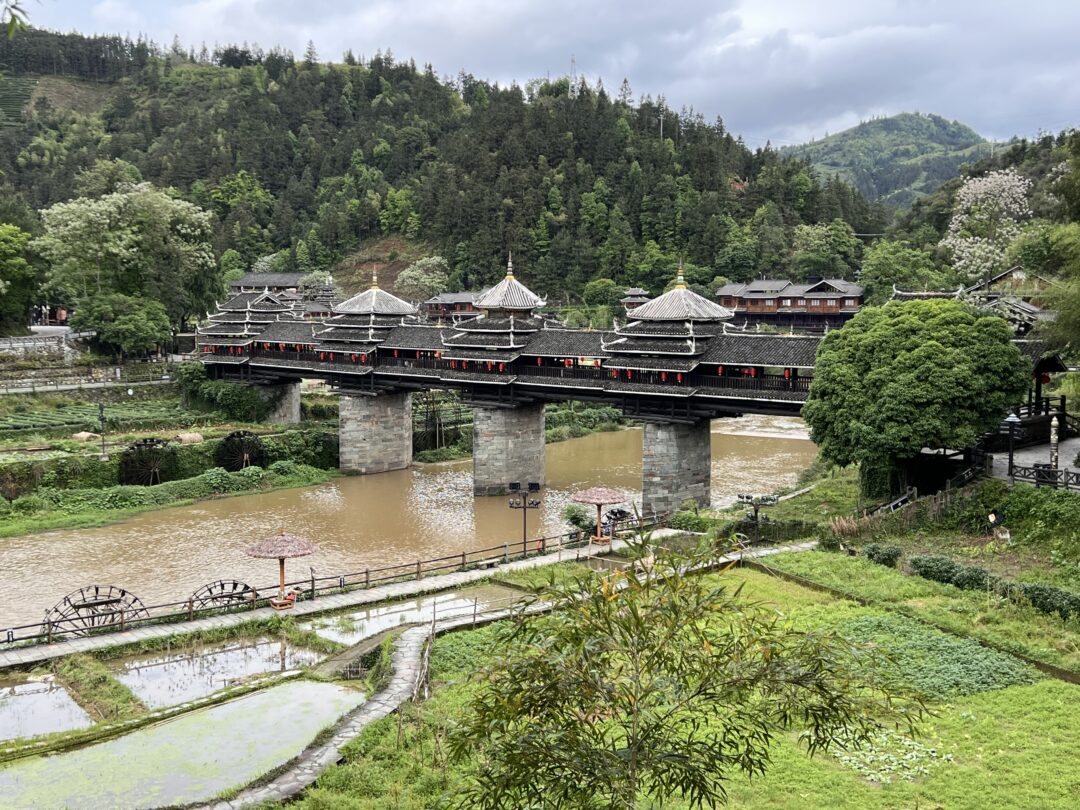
783	70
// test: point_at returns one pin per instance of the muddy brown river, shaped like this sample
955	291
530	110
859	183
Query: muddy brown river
365	521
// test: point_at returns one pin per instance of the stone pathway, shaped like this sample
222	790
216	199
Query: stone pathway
408	654
31	656
1039	454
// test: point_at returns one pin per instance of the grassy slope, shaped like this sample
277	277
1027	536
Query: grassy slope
1011	743
388	256
896	158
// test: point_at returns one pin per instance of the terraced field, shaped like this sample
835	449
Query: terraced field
85	416
14	96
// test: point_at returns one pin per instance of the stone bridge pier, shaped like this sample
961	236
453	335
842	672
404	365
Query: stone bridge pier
508	445
375	433
676	465
286	399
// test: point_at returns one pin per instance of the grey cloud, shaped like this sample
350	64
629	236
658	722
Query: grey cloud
773	69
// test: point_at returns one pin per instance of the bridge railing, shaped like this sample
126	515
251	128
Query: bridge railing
104	619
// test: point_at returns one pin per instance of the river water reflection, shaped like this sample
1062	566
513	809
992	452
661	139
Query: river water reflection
363	522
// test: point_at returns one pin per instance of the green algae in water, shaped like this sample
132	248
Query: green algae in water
191	758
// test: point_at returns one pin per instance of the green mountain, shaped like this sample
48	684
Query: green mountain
896	159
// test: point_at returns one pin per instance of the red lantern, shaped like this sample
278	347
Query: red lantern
395	352
568	362
720	370
281	347
753	372
787	373
678	377
629	374
502	367
614	374
230	350
417	355
352	357
489	365
331	357
663	376
266	345
539	361
297	347
1044	378
363	358
322	355
239	349
453	364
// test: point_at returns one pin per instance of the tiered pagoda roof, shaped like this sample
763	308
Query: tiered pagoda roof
677	324
242	316
505	323
364	320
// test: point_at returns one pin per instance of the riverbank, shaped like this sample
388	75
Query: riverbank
51	509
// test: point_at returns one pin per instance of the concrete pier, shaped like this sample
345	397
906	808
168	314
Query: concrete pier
676	465
375	433
508	445
287	405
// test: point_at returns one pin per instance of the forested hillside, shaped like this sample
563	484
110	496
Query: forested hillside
895	159
308	160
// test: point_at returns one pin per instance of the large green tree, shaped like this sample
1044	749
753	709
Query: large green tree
17	277
888	263
910	375
139	242
423	279
124	324
642	689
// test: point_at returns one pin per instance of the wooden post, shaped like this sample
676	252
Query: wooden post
475	605
190	609
121	620
418	569
463	561
367	577
48	631
506	553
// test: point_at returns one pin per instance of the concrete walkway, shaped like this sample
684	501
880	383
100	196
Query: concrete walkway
407	669
38	654
1039	454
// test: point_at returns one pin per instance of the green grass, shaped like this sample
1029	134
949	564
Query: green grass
837	493
119	416
1012	743
97	690
988	617
537	579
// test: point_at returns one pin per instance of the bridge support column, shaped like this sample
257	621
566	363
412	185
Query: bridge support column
375	433
676	465
286	398
508	445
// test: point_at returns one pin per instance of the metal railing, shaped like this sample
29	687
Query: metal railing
53	629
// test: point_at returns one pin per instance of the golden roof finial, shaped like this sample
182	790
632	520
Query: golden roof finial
374	278
510	266
680	281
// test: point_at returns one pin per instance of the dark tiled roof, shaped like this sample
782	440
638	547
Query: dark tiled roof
228	329
787	351
290	332
455	298
211	340
492	340
681	329
233	360
268	280
774	287
499	323
564	343
479	354
415	337
375	301
680	304
676	346
509	294
352	336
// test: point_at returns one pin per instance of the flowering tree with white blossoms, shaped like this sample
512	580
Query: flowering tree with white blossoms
987	216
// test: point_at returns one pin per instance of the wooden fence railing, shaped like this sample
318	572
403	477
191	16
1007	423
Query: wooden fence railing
110	621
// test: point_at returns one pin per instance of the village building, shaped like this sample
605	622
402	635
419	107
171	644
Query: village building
814	304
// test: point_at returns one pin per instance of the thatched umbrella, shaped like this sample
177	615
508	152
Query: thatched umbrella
281	546
600	497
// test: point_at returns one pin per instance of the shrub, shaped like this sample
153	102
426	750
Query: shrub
888	556
218	479
579	517
931	566
972	578
283	467
688	522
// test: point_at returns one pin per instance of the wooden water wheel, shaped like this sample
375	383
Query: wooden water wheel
93	608
224	593
147	462
239	450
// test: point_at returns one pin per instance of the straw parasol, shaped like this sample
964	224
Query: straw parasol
281	546
599	497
